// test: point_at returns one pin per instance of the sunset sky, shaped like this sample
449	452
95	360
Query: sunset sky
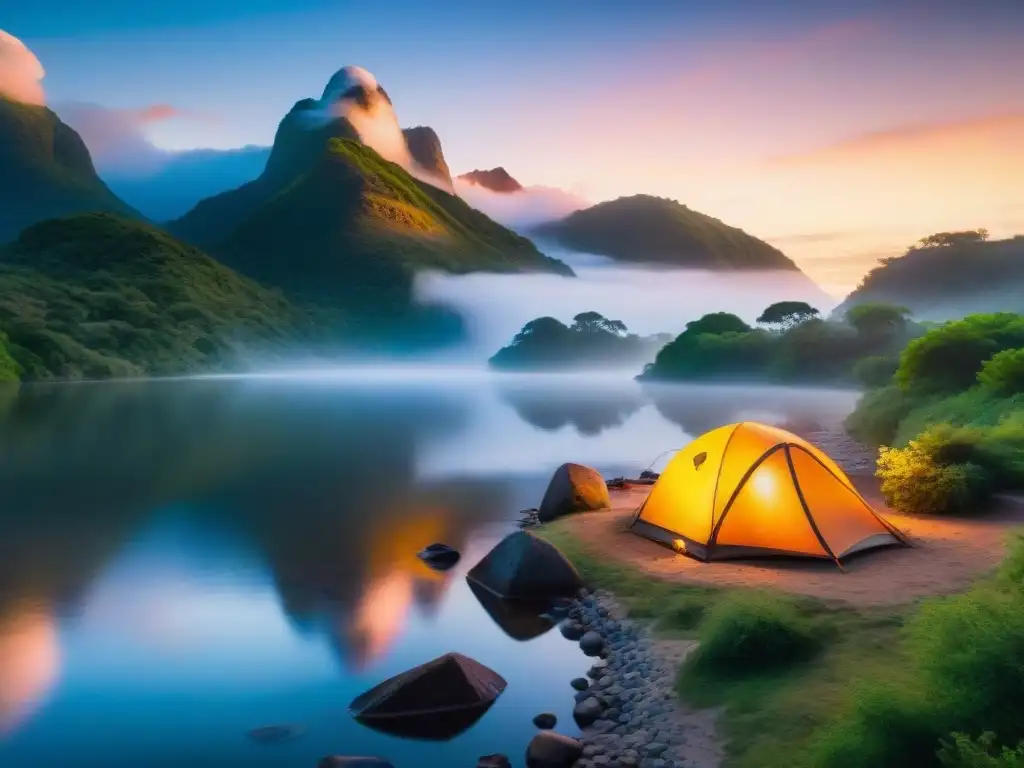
840	132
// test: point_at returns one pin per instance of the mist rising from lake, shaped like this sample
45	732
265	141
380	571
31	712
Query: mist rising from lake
647	299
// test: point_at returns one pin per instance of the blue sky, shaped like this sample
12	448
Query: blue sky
725	104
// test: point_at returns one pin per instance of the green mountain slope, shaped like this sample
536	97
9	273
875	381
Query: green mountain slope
97	295
947	276
45	171
655	230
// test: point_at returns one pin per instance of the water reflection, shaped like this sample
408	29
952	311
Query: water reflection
520	621
590	412
29	662
182	562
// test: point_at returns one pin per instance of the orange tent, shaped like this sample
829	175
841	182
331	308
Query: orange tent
749	489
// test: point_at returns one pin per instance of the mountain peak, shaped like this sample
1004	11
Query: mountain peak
496	180
46	170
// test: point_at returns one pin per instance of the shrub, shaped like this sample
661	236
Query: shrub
965	752
948	359
936	474
1003	373
875	371
744	633
878	414
970	654
884	724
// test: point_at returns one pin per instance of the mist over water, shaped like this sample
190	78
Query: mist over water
647	299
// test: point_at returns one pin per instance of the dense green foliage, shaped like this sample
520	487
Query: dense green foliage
751	631
954	414
96	296
949	358
341	226
45	171
961	751
9	368
657	230
1003	373
964	654
591	340
804	348
949	275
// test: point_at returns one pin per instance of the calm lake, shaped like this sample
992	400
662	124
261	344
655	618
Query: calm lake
184	561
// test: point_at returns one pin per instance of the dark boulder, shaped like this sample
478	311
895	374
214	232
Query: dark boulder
340	761
591	643
571	630
524	567
587	711
437	700
493	761
573	488
545	721
440	557
580	683
552	750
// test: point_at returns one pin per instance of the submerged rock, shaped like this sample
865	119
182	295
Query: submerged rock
573	488
552	750
340	761
497	760
272	734
545	721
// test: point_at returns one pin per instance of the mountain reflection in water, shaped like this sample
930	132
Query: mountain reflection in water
184	561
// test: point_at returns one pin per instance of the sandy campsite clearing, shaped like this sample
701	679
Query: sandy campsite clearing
947	554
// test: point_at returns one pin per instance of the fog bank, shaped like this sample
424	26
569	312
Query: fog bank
647	300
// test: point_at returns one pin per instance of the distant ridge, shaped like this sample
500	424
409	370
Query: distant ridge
496	180
655	230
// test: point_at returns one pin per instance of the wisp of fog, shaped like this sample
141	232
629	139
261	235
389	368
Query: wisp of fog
648	300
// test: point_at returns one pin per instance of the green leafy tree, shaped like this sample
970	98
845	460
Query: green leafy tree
953	239
716	324
786	314
878	321
594	322
1003	373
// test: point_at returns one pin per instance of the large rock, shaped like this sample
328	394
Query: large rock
552	750
573	488
524	567
587	711
437	700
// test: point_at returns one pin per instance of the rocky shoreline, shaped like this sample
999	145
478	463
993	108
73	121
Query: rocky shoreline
629	712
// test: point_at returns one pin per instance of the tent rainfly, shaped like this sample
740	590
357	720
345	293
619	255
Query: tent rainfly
749	489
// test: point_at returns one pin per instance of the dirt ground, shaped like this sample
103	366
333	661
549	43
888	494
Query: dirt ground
947	554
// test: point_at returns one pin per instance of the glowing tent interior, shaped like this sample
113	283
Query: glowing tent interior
749	489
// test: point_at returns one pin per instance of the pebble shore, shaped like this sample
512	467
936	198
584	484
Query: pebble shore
639	719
